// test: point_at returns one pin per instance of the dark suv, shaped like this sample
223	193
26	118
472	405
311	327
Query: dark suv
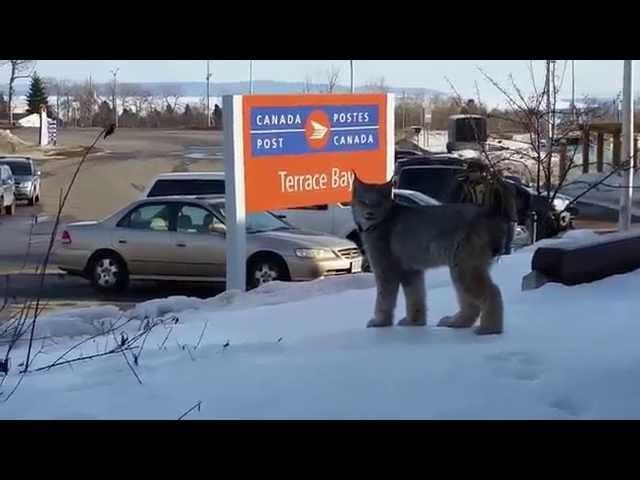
442	177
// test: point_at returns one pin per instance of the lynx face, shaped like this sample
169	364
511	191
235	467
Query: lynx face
371	203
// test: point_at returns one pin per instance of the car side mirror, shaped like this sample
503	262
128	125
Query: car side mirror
219	228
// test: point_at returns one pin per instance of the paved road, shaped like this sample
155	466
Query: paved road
108	181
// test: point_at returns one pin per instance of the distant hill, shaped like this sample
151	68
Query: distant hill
198	89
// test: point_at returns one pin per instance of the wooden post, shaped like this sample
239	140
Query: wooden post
617	145
563	160
600	153
585	150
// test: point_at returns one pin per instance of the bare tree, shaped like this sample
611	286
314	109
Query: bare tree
18	69
85	97
306	88
377	85
141	98
171	95
333	74
546	125
61	88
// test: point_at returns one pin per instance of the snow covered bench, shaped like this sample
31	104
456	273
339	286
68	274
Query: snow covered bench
574	261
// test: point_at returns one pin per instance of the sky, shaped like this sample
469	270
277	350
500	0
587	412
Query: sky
592	77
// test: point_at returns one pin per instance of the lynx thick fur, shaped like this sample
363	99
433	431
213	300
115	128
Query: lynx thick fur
401	242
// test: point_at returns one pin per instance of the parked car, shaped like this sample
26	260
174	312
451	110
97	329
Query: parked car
183	239
442	177
186	183
26	176
7	191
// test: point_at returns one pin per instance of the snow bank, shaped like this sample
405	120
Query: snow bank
566	353
93	320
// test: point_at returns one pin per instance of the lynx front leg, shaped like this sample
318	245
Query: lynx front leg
469	306
478	288
387	295
415	297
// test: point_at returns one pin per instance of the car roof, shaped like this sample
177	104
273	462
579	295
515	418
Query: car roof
191	176
15	159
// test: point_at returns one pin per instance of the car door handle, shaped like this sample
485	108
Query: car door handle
122	241
181	244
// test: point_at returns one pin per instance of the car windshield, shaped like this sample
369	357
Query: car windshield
18	168
259	222
438	183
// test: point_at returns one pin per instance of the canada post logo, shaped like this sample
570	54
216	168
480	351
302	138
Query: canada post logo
313	129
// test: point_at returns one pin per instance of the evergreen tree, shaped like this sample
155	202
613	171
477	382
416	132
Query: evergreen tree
37	95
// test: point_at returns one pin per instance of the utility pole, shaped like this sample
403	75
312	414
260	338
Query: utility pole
208	108
115	105
251	77
351	66
548	126
573	89
626	198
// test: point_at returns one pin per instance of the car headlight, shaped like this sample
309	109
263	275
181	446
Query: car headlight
560	204
26	184
317	253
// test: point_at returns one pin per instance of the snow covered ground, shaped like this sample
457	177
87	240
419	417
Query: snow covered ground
301	351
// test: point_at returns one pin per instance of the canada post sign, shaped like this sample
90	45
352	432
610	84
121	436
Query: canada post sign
301	150
302	130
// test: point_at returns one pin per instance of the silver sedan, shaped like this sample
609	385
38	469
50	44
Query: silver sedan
183	239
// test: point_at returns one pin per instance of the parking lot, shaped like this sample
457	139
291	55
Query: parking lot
109	180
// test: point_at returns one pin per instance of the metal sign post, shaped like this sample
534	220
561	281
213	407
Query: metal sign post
235	212
626	198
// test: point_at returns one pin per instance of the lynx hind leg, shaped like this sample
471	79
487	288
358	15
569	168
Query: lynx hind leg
415	298
387	285
479	288
469	306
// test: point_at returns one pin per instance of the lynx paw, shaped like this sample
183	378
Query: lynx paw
484	330
455	321
405	322
376	322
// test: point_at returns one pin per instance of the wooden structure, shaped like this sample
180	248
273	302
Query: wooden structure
613	129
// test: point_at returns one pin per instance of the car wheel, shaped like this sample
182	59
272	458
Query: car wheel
31	201
264	270
108	273
10	209
37	199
